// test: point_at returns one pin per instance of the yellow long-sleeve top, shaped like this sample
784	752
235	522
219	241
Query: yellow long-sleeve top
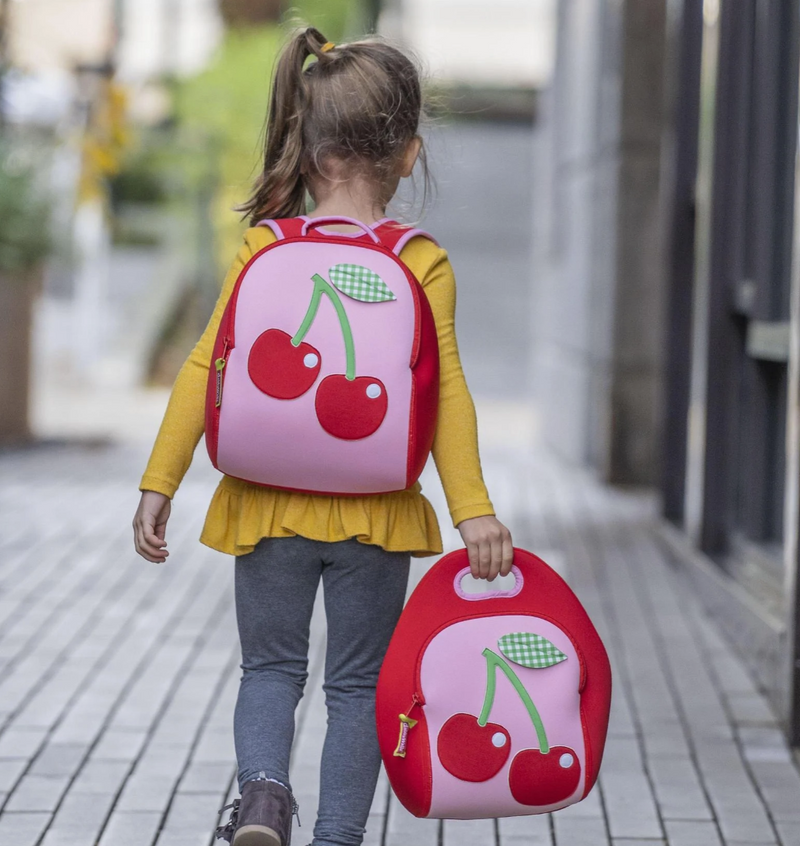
240	513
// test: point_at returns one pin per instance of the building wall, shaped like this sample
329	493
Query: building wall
461	42
598	304
157	36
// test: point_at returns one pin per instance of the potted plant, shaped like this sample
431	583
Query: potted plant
24	244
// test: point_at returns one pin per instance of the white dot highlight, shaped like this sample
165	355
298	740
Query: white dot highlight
498	739
311	360
566	760
373	391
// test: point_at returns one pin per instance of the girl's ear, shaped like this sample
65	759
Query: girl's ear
410	156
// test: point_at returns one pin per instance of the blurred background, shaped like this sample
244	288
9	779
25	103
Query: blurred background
615	185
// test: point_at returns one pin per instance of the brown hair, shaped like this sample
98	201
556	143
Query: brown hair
358	103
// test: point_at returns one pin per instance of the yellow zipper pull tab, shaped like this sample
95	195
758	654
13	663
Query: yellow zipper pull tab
406	724
219	364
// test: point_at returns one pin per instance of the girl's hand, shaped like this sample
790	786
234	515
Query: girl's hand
150	526
489	547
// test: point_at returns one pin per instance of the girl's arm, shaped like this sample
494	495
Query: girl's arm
455	446
184	421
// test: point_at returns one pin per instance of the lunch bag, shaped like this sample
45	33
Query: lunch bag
325	372
493	704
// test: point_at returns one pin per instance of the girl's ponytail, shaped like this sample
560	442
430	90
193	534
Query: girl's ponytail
358	106
280	190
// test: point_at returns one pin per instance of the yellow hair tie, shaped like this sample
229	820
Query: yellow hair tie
328	45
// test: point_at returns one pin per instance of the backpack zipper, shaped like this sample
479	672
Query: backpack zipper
220	366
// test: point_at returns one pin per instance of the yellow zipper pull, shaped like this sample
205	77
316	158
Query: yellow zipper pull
219	364
406	724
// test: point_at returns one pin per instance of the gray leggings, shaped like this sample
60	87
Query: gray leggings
364	590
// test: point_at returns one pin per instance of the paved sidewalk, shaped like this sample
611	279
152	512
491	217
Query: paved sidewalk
119	676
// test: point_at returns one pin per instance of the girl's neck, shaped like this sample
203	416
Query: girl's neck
356	198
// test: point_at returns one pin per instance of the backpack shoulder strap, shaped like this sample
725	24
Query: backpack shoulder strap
285	227
394	236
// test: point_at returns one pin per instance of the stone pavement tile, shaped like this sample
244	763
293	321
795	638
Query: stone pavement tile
150	793
59	759
779	783
20	741
100	777
468	832
216	745
526	831
403	828
119	745
191	818
10	771
637	841
677	787
131	828
22	829
629	802
738	808
692	833
579	831
207	777
750	708
37	793
764	743
79	819
789	833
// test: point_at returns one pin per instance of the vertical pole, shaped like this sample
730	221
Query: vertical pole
791	665
171	36
5	22
681	163
373	10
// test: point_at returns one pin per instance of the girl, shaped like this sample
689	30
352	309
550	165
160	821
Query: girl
343	130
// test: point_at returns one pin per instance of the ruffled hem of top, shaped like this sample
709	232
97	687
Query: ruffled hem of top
240	515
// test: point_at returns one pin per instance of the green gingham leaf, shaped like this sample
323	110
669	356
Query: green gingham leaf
530	650
360	283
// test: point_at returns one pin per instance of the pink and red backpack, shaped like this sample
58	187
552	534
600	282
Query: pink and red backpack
325	372
493	704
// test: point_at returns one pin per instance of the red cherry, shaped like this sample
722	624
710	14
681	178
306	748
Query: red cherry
280	369
544	779
470	751
351	409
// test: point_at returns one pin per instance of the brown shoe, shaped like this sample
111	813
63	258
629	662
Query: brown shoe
262	817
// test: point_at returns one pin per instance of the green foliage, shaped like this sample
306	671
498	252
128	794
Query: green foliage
336	19
226	104
24	214
140	178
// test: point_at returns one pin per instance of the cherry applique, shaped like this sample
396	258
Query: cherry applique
280	368
471	751
351	409
544	778
347	406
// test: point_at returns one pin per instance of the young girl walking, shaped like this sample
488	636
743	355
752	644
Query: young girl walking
342	128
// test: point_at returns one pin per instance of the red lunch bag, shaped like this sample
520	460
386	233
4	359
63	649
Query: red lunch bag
493	704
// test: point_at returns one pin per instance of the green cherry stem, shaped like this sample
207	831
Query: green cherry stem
321	286
493	661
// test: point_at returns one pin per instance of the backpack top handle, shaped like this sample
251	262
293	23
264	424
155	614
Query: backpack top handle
312	223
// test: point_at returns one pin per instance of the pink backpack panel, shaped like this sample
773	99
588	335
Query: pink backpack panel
493	704
325	372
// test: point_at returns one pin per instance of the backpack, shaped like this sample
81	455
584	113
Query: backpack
325	372
493	704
